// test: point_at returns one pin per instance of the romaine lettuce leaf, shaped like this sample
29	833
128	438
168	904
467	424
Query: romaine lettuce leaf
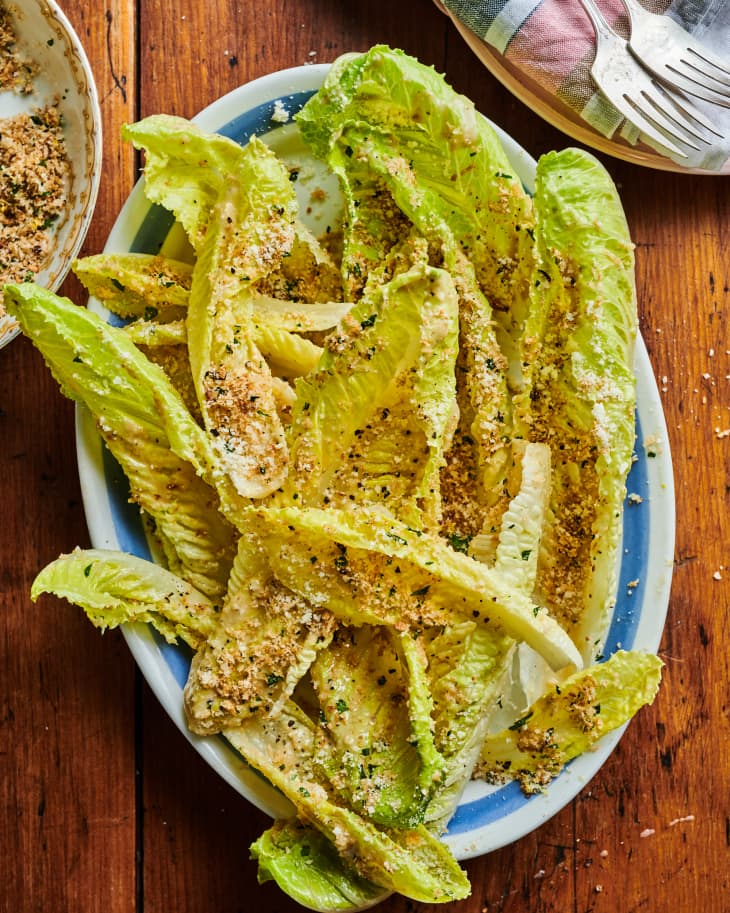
383	764
421	711
265	642
374	225
250	228
368	568
411	861
152	333
309	274
115	588
295	316
288	354
470	665
570	718
307	867
172	472
581	386
136	285
372	421
186	169
520	532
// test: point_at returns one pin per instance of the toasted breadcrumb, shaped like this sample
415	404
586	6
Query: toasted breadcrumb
34	174
16	71
34	171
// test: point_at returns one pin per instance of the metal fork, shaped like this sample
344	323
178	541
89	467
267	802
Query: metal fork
675	57
658	112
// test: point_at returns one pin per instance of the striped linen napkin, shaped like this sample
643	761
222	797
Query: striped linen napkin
552	43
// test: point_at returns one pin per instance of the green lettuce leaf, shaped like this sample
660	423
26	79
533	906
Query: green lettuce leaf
266	640
295	316
307	867
581	387
186	169
136	285
368	568
383	764
250	228
470	665
374	226
570	718
115	588
372	421
288	354
468	668
152	334
411	861
172	472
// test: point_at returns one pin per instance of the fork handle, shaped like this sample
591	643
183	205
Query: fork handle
636	13
603	29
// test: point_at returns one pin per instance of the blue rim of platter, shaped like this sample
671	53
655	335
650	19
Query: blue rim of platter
487	817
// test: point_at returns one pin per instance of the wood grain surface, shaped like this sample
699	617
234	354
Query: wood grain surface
103	804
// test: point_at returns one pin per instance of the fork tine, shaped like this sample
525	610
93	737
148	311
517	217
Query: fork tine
675	112
686	83
686	109
650	105
708	64
645	126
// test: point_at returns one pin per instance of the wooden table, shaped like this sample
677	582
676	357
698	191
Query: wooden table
104	806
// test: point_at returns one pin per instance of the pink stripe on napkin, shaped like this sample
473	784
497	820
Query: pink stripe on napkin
556	38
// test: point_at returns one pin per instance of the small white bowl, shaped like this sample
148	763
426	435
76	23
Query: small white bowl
64	76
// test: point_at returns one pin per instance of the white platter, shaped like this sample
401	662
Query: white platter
487	817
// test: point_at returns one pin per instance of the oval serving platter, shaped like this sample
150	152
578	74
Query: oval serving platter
488	817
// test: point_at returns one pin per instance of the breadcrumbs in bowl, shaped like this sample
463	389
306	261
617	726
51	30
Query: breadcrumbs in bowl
50	146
